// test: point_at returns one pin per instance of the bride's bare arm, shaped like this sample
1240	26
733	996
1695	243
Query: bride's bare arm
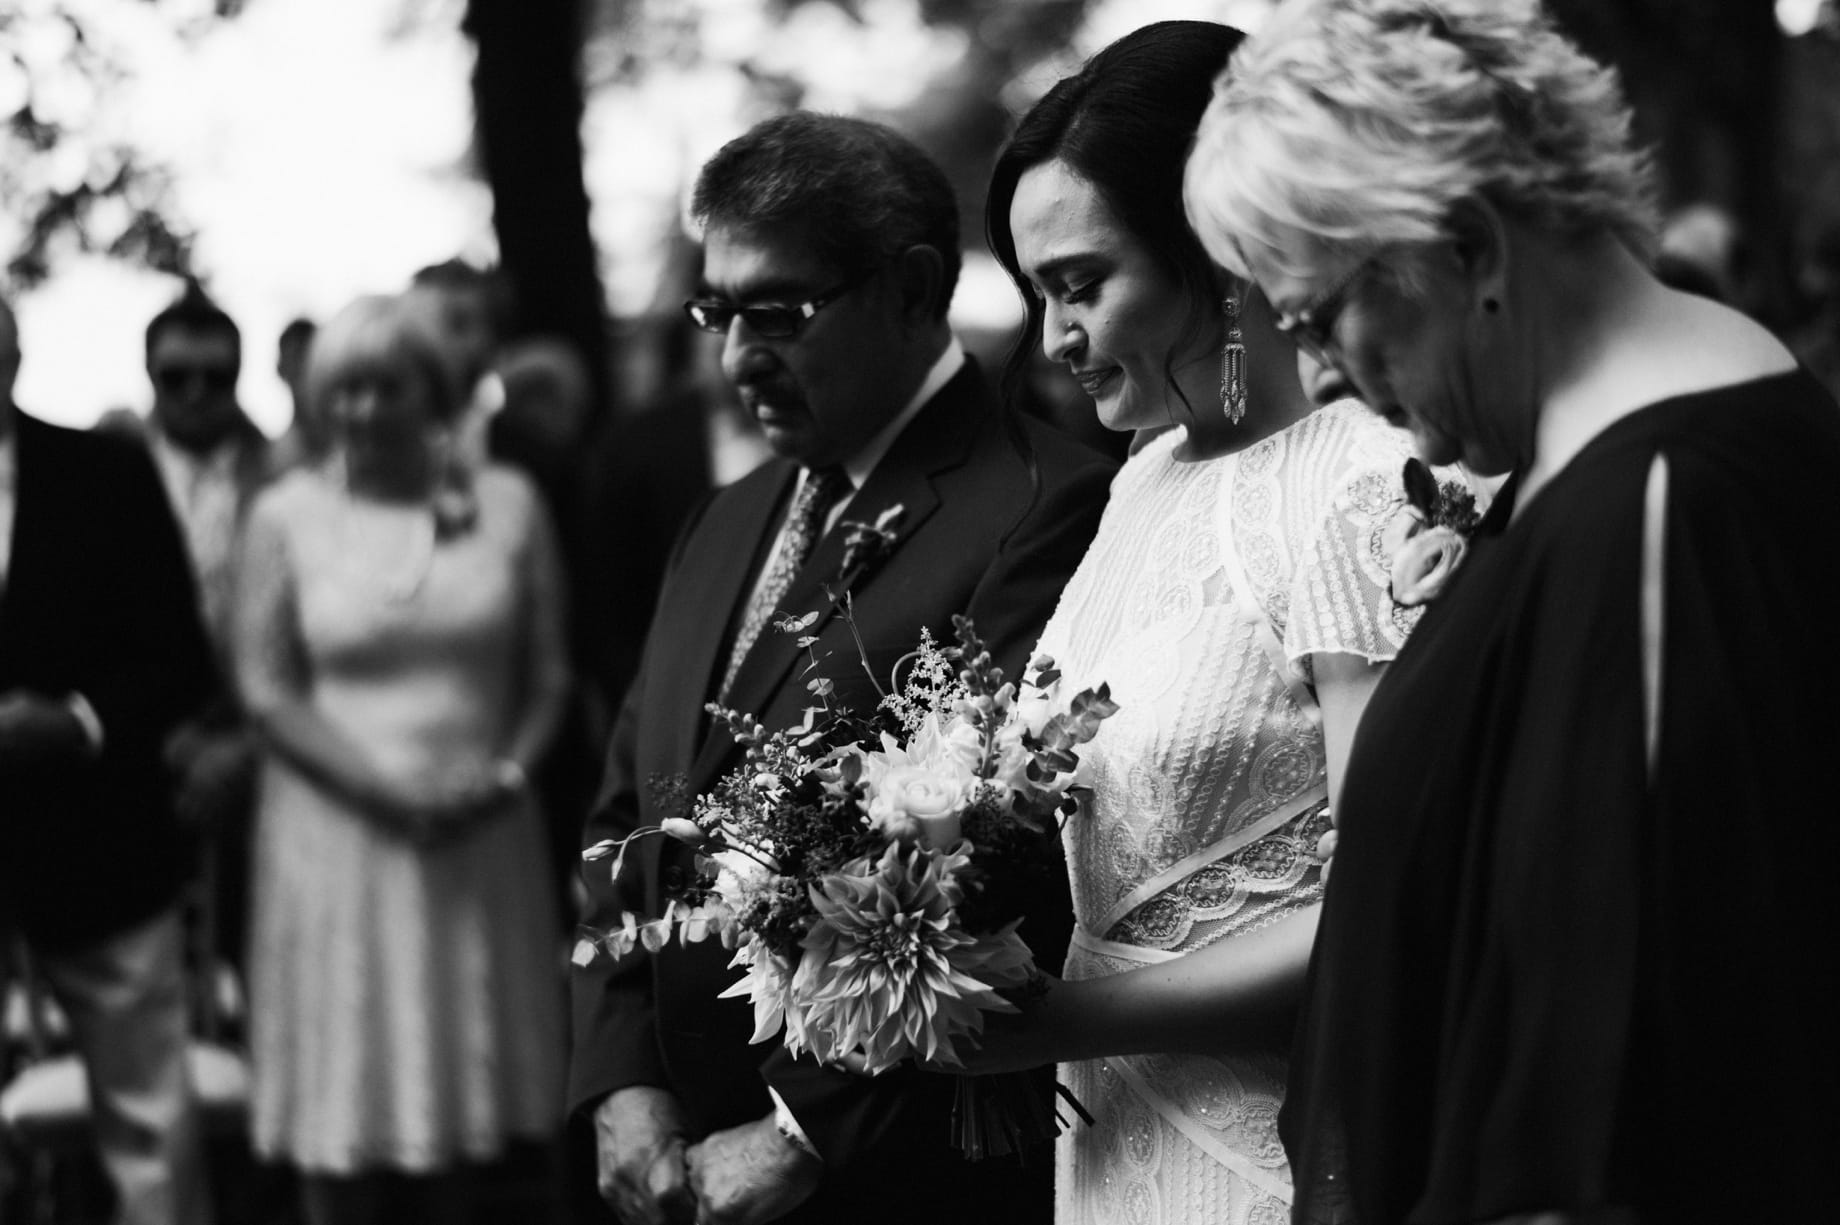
1344	683
1233	995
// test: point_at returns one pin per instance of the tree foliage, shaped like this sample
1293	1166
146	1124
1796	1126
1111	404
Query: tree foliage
70	174
527	97
960	114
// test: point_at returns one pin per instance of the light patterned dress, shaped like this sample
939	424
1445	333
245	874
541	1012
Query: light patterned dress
1205	594
406	1000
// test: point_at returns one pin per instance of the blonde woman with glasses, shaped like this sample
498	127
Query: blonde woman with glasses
1576	963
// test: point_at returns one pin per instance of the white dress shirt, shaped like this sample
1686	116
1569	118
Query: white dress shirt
206	499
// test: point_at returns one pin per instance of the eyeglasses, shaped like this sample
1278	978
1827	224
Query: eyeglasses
771	320
176	379
1312	327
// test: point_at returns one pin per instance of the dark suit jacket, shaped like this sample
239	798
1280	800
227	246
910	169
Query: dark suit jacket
645	474
98	601
978	535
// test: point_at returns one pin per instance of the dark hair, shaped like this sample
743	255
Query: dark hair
860	192
1124	123
193	311
453	273
1676	271
297	332
494	287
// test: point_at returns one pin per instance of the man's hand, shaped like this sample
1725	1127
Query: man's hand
38	730
639	1152
750	1174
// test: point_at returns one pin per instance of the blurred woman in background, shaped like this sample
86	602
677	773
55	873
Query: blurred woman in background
400	645
1577	957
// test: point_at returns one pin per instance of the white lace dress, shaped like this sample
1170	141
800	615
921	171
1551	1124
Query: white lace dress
406	1001
1205	594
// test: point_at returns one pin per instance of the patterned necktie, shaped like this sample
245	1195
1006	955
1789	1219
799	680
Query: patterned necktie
823	489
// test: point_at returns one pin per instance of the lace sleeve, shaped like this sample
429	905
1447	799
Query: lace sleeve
1340	601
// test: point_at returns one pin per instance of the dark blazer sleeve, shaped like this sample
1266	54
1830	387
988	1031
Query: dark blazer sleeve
163	670
615	1026
100	602
854	1120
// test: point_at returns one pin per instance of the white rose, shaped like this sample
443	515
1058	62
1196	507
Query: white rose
919	802
1424	564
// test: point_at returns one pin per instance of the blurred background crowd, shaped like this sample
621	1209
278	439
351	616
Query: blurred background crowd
190	190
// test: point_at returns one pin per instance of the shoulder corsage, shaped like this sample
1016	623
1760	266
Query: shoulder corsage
1439	517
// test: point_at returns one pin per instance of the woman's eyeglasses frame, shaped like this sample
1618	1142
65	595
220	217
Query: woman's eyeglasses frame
1311	327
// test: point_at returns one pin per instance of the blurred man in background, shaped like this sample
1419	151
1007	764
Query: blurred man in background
102	656
212	460
305	440
211	457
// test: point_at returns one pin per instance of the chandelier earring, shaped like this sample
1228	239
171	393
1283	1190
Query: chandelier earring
1233	365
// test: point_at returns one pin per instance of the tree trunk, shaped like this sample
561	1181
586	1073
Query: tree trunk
527	96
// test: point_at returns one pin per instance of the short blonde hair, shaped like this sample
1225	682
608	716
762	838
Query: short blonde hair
378	330
1360	123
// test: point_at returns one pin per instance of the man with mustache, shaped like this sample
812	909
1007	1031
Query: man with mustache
831	251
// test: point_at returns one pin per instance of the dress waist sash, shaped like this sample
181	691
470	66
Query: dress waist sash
1188	865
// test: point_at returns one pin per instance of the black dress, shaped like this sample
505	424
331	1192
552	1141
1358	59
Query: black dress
1542	982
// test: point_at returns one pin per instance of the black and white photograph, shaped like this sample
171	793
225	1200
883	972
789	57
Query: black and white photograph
928	612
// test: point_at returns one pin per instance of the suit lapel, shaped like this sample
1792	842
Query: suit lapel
938	439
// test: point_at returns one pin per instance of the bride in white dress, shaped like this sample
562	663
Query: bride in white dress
1236	601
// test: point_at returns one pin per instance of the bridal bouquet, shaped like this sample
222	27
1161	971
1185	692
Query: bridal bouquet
867	872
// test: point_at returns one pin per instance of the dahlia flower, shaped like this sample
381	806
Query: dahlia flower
887	972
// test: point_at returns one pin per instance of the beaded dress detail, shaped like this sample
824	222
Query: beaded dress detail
1201	601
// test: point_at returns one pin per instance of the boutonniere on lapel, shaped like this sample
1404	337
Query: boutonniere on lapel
866	544
1433	531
